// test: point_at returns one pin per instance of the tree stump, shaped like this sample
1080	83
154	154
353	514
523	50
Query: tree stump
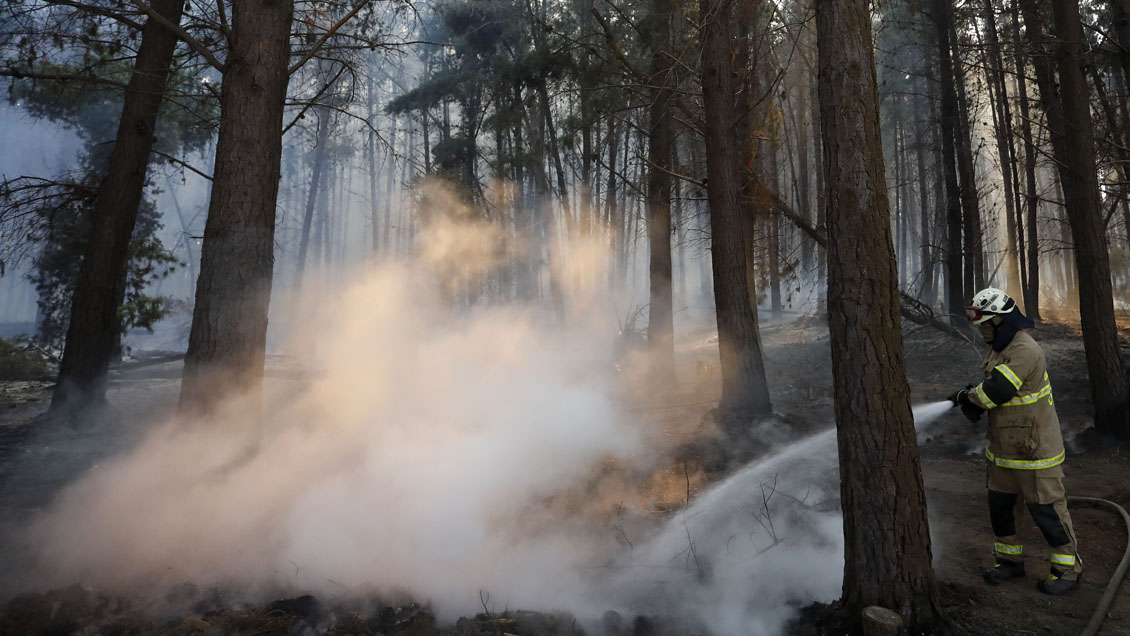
880	621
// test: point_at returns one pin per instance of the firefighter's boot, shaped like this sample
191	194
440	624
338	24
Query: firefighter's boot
1056	585
1004	570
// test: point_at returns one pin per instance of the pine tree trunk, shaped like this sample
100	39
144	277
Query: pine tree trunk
546	220
322	243
804	192
1069	121
928	292
371	148
613	210
998	95
661	140
390	179
774	240
887	554
316	179
970	206
681	238
1032	200
94	328
745	392
821	189
955	288
228	340
899	211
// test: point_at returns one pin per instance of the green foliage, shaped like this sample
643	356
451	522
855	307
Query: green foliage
448	154
65	224
17	363
49	219
92	110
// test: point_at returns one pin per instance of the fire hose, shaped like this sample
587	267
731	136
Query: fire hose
1111	590
1119	573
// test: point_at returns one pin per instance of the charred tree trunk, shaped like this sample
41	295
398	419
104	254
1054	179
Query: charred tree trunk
970	206
94	328
1032	200
1069	121
887	554
661	141
228	341
745	392
955	291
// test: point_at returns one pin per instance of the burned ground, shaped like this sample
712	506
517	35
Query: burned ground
687	454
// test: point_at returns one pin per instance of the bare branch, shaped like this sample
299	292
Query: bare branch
181	163
314	100
670	173
325	36
102	11
614	45
192	42
62	77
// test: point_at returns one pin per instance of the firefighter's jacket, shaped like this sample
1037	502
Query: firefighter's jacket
1024	430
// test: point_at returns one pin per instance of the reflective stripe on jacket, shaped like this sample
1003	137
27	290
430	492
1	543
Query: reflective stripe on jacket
1024	431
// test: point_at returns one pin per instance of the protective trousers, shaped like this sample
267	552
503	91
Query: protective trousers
1042	492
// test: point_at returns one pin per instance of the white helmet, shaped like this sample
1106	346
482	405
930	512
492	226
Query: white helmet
987	303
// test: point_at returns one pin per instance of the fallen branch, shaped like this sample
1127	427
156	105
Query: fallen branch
910	307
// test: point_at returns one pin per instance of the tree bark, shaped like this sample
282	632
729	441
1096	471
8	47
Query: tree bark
970	206
94	328
745	392
661	138
1002	128
927	293
887	555
773	233
316	180
955	289
228	340
1032	201
821	190
1073	144
804	192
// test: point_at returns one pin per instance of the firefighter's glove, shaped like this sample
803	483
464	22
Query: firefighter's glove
971	411
961	396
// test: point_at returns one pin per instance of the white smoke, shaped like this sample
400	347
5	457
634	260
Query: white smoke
416	457
444	453
754	548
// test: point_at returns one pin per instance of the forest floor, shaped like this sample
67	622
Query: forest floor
691	456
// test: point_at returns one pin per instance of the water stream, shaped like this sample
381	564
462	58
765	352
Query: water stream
751	549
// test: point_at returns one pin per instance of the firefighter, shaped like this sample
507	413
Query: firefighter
1025	449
